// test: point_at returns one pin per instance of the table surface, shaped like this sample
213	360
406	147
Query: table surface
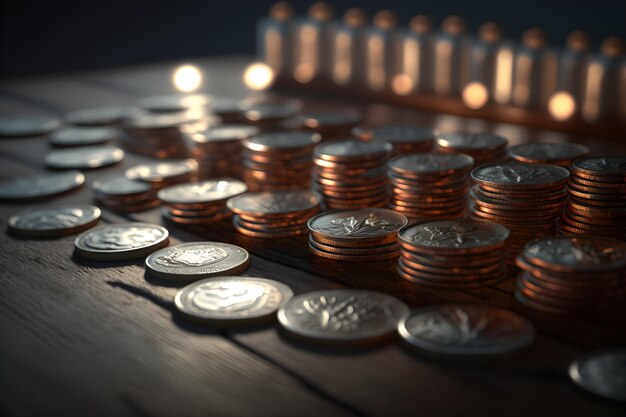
80	338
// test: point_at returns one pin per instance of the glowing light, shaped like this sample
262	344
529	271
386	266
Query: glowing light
504	75
443	70
258	76
475	95
187	78
342	69
375	63
402	84
562	106
591	105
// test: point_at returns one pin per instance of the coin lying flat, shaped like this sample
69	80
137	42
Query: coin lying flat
119	186
562	154
85	157
53	221
120	241
174	102
100	116
40	186
27	126
83	136
466	331
342	317
483	147
601	373
202	192
515	175
164	172
197	260
357	225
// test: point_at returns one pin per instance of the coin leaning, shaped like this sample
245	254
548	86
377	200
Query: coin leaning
120	241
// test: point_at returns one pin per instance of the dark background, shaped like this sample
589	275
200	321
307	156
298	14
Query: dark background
62	35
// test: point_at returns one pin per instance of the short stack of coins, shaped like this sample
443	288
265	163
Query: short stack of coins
526	198
279	160
122	194
218	149
331	125
157	135
429	185
274	214
367	235
404	139
567	274
455	254
352	174
597	198
561	154
200	202
165	173
483	147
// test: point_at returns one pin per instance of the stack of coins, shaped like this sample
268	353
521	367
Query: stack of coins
200	202
122	194
174	103
331	125
268	114
367	235
218	149
572	274
526	198
274	214
405	139
165	173
597	198
100	116
456	254
561	154
429	185
351	174
483	147
157	135
279	161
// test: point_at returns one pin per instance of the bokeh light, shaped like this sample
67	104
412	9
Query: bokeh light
258	76
187	78
475	95
562	106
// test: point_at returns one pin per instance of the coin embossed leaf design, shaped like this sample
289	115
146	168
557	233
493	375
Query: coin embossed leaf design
604	164
194	257
330	313
578	251
353	226
455	235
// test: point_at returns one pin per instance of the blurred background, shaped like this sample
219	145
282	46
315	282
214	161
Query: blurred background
62	35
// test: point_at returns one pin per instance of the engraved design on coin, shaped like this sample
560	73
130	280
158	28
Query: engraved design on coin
332	313
276	202
518	173
459	234
549	151
431	162
121	238
50	219
605	163
576	251
371	225
193	257
202	191
455	235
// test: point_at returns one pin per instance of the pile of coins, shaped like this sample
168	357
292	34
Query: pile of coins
526	198
83	136
429	185
122	194
218	149
165	173
561	154
157	135
352	174
274	214
279	161
404	139
84	157
331	125
597	198
572	274
268	114
200	202
483	147
367	235
457	254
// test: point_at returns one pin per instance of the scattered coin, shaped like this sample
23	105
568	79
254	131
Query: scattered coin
41	186
164	173
561	154
601	373
120	241
83	136
120	193
483	147
84	157
404	139
100	116
53	221
27	126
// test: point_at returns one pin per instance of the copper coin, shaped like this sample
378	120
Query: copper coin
449	285
370	250
417	165
450	270
596	184
266	234
463	261
601	168
351	150
269	227
195	220
547	153
353	258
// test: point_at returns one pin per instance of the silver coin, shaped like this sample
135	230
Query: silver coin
330	119
466	331
121	241
346	225
83	136
344	150
174	102
274	203
601	165
548	152
471	141
282	140
397	134
155	121
225	133
602	373
100	116
344	316
197	260
27	126
53	221
162	171
428	163
520	174
85	157
40	186
232	300
211	191
120	186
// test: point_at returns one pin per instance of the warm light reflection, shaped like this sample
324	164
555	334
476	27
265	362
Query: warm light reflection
258	76
307	54
443	70
273	49
521	90
187	78
475	95
504	76
411	61
593	85
376	62
342	69
402	84
562	106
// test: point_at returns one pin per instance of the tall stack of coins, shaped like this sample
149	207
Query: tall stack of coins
526	198
367	235
597	198
274	214
331	125
405	139
483	147
572	274
561	154
351	174
218	149
457	254
121	194
163	174
279	161
200	202
429	185
157	135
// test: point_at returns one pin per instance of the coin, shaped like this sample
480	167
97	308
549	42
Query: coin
27	126
351	150
483	147
82	136
275	204
562	154
84	157
173	102
162	172
269	233
120	241
333	124
120	186
601	373
519	176
100	116
601	168
41	186
196	260
203	192
405	139
342	316
378	225
53	221
232	300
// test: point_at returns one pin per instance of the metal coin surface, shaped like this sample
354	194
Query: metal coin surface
27	126
120	186
466	331
232	300
162	171
343	316
547	152
352	150
276	204
53	221
226	133
357	225
121	241
100	116
396	134
84	157
471	141
601	168
197	260
82	136
40	186
334	119
203	192
427	163
282	140
174	102
601	373
516	175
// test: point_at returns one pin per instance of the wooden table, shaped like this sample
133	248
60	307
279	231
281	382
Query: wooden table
81	338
